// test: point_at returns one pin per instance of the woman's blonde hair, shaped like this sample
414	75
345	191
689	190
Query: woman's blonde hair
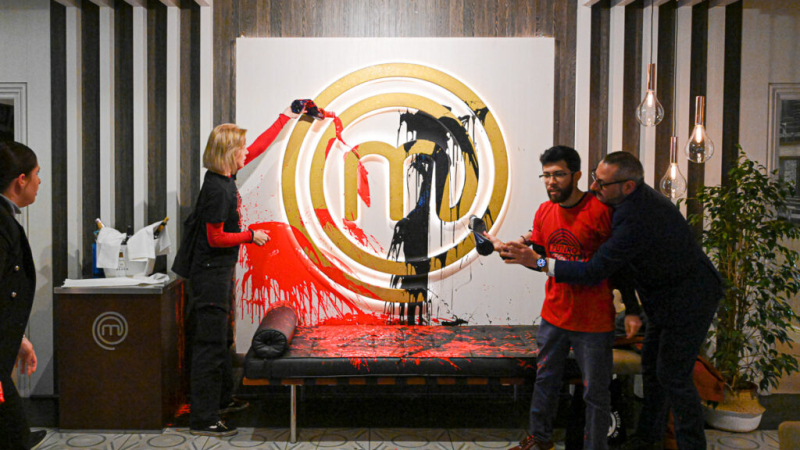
220	153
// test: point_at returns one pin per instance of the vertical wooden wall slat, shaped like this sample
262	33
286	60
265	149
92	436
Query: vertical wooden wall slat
123	115
225	30
58	130
189	107
156	116
565	15
632	77
90	70
248	21
732	87
667	18
598	84
697	86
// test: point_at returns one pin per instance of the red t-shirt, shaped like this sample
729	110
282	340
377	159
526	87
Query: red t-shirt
575	234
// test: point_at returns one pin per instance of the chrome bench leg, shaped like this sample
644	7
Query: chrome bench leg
293	415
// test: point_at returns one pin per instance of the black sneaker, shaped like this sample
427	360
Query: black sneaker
235	405
36	438
219	429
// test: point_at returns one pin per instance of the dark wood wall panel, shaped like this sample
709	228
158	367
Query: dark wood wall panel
565	14
123	115
397	18
226	29
697	86
90	76
157	116
190	143
732	87
598	84
58	130
632	77
667	19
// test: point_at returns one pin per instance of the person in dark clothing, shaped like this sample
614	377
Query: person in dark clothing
19	184
211	279
654	247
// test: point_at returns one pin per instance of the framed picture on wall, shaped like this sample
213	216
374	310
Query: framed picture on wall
784	138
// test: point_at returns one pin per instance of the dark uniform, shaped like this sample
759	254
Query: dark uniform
211	300
17	289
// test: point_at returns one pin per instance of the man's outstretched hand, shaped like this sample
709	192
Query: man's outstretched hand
516	252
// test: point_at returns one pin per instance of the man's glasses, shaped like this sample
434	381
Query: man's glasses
602	183
558	176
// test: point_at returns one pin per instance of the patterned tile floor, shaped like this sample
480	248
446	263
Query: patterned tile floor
348	438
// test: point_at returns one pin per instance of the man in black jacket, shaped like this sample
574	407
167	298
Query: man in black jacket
19	184
653	246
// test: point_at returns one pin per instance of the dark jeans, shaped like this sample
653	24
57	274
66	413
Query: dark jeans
211	373
595	357
14	430
668	357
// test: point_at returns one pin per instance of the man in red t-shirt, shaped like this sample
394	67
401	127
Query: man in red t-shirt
571	226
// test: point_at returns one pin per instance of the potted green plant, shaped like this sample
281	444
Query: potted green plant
745	237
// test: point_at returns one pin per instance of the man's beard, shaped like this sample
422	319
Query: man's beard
561	195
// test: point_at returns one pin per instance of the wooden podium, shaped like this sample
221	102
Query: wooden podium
119	353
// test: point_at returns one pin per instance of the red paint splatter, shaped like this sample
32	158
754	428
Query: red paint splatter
183	410
363	183
325	220
358	319
363	180
361	236
287	269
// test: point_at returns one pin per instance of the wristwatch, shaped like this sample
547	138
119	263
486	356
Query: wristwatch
541	263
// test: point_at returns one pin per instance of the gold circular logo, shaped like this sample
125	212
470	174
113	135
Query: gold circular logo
448	162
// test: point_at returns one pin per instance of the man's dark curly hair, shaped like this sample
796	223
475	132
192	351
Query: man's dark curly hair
562	153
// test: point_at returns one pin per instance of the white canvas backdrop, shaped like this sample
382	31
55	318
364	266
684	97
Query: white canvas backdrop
513	76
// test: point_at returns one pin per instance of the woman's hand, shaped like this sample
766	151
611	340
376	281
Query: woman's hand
26	358
260	237
291	114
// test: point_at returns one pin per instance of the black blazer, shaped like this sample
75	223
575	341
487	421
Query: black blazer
17	286
653	247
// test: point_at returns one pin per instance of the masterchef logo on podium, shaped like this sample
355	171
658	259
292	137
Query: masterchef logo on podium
109	330
385	193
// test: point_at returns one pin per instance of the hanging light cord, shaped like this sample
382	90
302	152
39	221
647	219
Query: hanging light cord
675	77
652	7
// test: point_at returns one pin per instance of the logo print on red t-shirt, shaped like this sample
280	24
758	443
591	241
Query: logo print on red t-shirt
564	246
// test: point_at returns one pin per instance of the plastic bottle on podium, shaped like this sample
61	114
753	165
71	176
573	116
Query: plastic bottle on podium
122	267
96	272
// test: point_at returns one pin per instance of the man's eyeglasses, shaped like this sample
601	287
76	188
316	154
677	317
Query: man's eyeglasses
558	176
602	184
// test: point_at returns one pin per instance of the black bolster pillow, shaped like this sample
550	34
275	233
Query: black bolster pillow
275	333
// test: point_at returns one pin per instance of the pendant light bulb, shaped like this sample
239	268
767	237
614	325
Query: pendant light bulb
699	148
650	112
673	184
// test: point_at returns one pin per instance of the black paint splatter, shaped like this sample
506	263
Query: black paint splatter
412	231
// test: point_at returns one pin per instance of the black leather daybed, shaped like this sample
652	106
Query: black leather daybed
283	354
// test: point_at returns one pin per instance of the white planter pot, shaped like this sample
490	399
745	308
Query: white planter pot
740	412
731	421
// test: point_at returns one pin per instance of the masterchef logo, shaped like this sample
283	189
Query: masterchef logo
385	191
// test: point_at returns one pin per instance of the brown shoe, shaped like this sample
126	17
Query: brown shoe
531	443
